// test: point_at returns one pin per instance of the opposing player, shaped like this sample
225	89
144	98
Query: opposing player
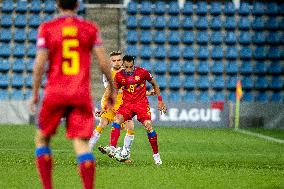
66	42
133	81
107	117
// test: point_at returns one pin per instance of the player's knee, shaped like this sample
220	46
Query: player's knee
41	140
81	146
148	126
119	119
129	125
103	123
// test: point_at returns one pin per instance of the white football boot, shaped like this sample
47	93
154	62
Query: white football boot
109	150
122	155
157	159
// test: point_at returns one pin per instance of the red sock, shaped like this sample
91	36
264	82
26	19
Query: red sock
88	174
87	169
115	133
153	139
44	167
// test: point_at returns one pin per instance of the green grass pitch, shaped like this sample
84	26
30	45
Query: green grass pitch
192	158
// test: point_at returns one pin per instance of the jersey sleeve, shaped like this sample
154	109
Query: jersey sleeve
97	40
42	37
148	76
105	81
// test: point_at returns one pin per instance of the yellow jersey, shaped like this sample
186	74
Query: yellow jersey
118	100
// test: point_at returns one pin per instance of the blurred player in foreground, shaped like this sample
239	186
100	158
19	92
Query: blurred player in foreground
66	43
107	117
132	80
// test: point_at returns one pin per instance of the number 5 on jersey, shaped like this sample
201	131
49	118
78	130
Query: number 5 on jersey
71	58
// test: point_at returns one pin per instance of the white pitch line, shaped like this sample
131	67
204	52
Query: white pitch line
260	136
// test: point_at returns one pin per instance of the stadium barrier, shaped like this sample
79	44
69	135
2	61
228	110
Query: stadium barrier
214	114
14	112
268	115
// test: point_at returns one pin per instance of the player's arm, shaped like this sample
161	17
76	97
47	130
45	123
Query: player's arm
104	103
104	65
38	71
40	61
150	93
161	105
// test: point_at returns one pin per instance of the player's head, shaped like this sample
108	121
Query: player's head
67	4
116	60
128	63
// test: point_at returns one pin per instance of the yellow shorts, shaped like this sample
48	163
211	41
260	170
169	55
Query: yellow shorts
109	115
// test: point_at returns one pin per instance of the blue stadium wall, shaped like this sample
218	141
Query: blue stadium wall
200	50
197	52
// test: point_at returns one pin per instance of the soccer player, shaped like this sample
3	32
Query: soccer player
133	81
66	42
107	117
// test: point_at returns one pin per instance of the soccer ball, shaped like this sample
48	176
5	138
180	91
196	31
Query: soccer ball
121	154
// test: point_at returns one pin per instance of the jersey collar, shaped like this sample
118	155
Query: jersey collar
67	15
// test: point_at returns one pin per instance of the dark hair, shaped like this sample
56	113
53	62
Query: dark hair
67	4
128	58
115	53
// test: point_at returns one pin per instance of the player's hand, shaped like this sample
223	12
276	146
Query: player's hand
162	107
98	113
111	100
34	101
111	96
151	93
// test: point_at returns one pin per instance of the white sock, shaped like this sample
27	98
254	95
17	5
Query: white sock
94	139
128	140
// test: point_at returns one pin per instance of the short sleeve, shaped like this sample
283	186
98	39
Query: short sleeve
97	40
105	81
42	37
148	75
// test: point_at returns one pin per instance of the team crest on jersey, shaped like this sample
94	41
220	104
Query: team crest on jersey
137	78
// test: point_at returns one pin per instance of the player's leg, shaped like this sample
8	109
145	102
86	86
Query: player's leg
109	149
124	113
144	116
114	134
153	140
98	131
129	137
47	122
43	159
80	122
86	162
124	154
